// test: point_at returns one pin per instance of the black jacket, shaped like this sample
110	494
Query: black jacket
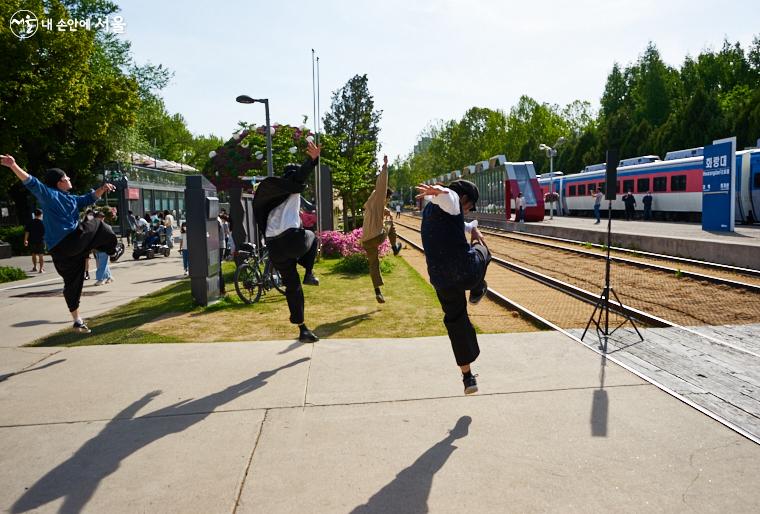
272	191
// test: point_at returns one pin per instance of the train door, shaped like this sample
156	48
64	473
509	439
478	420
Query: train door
742	190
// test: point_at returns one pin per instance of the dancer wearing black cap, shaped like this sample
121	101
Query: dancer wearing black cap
454	265
276	206
69	241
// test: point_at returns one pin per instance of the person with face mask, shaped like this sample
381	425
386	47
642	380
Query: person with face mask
454	265
276	206
69	241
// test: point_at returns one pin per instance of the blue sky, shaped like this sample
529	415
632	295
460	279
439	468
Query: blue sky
426	60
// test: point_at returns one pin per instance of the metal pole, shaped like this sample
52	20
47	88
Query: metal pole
270	165
551	182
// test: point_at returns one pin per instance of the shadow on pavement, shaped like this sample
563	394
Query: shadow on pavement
409	491
9	375
600	404
37	322
328	329
76	479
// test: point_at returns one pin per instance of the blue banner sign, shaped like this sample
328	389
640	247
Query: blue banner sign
718	185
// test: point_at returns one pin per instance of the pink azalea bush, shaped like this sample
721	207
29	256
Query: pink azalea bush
337	244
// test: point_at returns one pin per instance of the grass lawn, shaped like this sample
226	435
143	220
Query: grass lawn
342	306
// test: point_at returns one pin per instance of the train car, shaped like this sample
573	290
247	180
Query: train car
675	184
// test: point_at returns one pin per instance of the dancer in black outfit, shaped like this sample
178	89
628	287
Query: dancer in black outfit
276	206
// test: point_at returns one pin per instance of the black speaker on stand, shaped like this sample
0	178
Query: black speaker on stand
602	307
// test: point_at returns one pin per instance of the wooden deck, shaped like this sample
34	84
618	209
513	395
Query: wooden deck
722	379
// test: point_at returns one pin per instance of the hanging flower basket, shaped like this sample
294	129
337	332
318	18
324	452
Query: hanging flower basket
551	197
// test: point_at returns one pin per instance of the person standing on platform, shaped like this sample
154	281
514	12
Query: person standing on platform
398	210
520	208
647	201
373	229
630	206
34	238
455	266
276	206
69	241
597	205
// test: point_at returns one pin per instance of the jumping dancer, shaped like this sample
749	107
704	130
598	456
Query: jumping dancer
276	205
454	265
373	229
69	241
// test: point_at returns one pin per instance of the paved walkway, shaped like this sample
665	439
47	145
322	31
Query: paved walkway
342	425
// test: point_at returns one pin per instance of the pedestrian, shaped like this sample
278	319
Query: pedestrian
276	205
169	228
647	201
597	205
132	227
520	208
34	238
183	248
630	206
69	241
373	229
454	265
103	270
398	210
89	215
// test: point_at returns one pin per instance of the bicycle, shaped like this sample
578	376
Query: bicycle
255	275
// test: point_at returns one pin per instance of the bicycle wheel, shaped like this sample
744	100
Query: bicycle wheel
272	276
248	283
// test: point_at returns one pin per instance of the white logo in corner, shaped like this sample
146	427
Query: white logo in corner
24	24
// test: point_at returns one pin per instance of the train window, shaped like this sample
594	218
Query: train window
572	191
678	183
660	184
582	190
757	180
642	185
628	186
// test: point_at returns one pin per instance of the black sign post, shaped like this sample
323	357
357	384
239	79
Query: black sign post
202	207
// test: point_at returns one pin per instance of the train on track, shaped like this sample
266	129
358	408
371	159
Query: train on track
675	183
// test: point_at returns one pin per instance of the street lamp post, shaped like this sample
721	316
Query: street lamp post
245	99
551	153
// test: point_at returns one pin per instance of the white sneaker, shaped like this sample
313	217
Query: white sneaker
99	282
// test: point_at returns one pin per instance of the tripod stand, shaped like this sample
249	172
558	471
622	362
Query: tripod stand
603	304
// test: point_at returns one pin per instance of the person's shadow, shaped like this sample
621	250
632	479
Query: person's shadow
78	477
409	491
13	374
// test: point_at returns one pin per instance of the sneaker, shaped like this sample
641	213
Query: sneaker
477	295
470	384
396	248
307	336
80	326
99	282
42	270
380	298
87	275
310	280
33	270
185	272
109	280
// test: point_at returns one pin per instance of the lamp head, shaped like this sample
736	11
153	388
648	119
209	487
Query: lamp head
543	147
245	99
560	141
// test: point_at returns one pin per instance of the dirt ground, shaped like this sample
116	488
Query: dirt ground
679	299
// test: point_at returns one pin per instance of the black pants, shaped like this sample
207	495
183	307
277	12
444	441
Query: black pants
453	300
294	246
70	254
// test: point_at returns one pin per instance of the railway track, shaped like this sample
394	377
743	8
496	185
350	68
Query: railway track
717	377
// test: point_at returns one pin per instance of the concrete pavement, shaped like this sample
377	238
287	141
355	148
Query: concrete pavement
356	426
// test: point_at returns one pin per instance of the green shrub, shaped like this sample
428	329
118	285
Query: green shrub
357	264
15	237
9	274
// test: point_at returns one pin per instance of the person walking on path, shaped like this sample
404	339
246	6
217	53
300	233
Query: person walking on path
455	266
132	227
597	205
69	241
169	228
276	205
373	229
630	206
398	210
183	248
103	270
647	201
34	239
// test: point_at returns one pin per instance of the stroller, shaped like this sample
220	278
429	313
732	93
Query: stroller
151	243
